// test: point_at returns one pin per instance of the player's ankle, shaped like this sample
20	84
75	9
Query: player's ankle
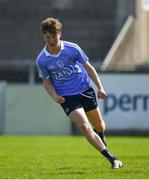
108	155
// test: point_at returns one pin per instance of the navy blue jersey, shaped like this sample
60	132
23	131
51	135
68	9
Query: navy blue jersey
65	70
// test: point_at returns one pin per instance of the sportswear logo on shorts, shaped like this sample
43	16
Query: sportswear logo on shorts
67	110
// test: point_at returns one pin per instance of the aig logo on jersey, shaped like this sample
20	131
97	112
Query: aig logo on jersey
64	73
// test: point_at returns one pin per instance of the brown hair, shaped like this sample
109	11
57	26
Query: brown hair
50	25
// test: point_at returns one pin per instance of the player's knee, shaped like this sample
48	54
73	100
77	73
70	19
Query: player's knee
85	128
100	126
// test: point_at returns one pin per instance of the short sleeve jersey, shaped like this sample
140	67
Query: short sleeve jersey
65	70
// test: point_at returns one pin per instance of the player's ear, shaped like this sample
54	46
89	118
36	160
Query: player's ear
60	34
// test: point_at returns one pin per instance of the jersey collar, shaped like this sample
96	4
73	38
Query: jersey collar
54	55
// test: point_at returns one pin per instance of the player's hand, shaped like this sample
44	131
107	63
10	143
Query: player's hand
101	94
59	99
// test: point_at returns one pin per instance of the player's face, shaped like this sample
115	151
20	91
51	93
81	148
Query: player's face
52	39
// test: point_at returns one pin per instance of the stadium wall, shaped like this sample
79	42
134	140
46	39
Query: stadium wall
126	108
29	110
2	105
91	24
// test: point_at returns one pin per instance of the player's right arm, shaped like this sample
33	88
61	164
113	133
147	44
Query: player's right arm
51	91
44	74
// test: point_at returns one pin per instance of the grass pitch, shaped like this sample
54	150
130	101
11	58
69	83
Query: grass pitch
67	157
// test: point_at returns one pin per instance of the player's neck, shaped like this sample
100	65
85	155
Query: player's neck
54	49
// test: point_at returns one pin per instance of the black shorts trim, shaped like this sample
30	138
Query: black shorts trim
86	100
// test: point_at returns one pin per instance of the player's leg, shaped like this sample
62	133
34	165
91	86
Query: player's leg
92	110
97	122
78	116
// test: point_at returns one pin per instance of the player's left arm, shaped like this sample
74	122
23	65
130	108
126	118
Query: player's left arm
95	78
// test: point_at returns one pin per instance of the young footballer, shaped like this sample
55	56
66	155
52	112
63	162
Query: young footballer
67	73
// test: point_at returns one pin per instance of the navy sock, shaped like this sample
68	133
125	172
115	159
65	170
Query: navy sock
100	133
102	136
108	155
